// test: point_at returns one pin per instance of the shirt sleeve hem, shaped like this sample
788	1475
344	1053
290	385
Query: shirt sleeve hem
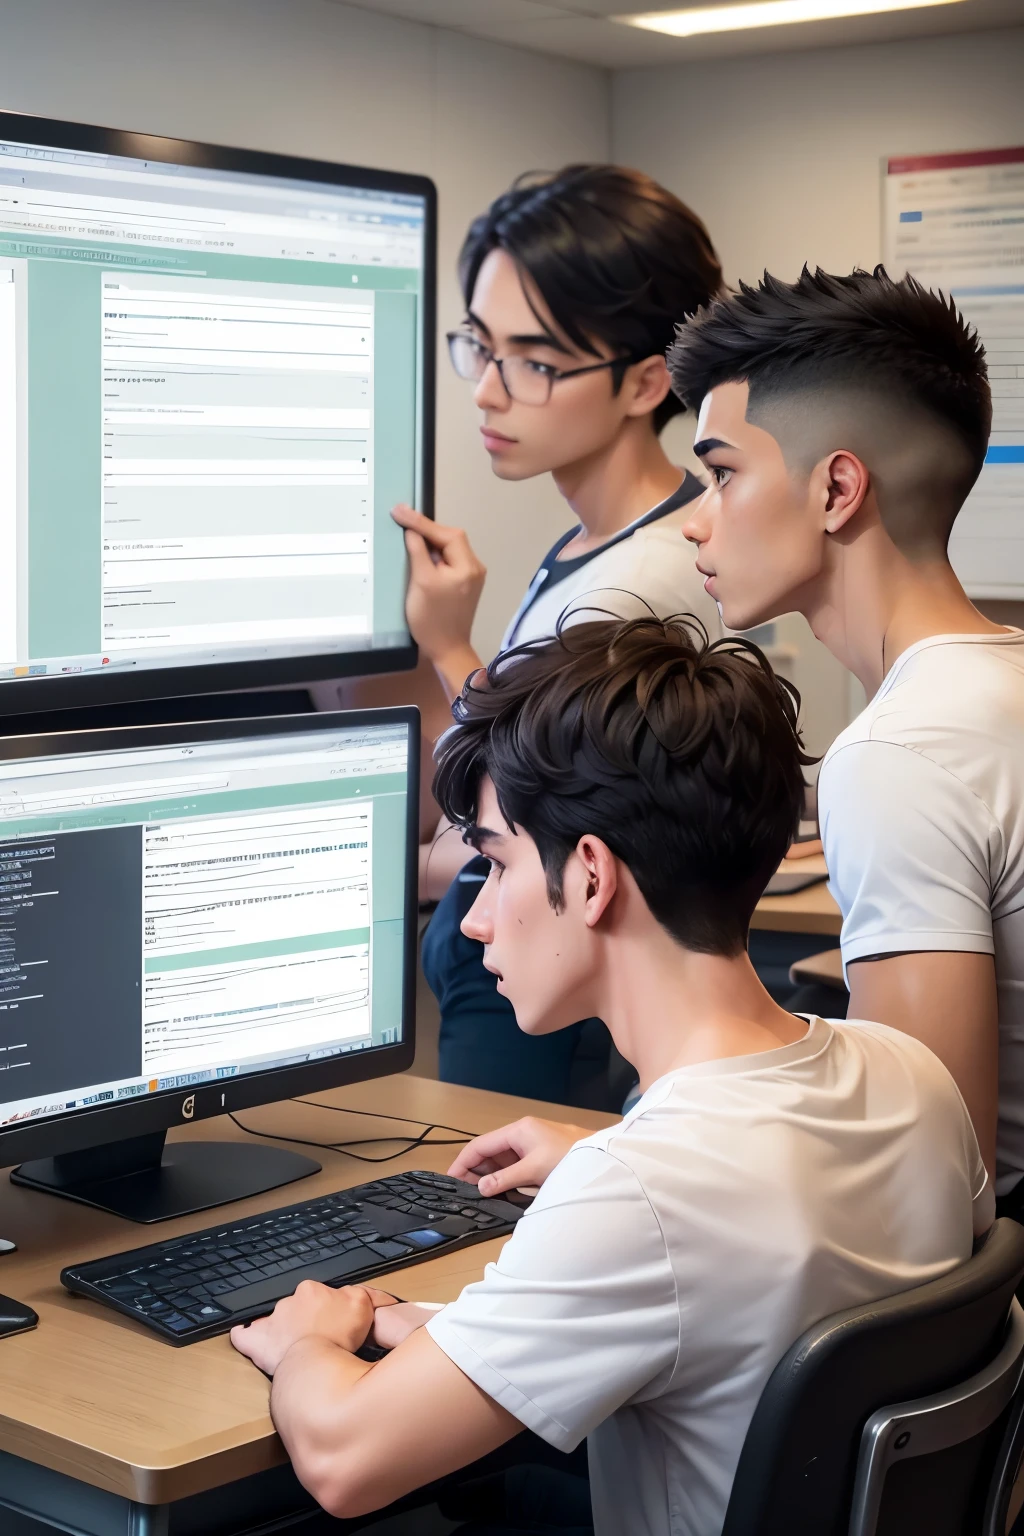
890	943
497	1387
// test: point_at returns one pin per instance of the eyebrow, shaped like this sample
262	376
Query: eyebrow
475	835
706	444
538	339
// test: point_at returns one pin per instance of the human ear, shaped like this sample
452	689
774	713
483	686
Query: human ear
600	877
845	484
649	383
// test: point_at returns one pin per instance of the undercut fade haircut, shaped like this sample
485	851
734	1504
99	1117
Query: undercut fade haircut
895	342
617	258
683	756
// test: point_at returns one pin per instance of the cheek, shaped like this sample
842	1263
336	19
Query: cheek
577	420
769	532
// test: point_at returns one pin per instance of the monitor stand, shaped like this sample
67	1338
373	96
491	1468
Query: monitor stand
142	1180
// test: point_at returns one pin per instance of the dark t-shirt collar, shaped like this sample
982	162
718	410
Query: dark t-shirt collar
557	570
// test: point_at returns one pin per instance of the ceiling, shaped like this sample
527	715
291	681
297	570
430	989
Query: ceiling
581	29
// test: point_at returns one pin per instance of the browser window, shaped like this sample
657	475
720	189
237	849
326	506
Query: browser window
208	406
181	915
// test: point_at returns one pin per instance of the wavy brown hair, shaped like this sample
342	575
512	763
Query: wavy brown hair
683	755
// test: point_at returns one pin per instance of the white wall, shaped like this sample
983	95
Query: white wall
312	77
781	156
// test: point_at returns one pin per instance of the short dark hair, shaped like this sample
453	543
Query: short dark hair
891	338
684	756
616	257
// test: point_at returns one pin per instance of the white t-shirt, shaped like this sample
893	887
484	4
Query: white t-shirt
670	1261
647	565
921	802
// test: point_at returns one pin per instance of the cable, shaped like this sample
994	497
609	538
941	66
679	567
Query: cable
376	1114
411	1142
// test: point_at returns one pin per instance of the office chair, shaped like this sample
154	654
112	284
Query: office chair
903	1416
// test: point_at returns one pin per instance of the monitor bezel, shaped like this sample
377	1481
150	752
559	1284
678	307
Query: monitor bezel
77	1130
31	695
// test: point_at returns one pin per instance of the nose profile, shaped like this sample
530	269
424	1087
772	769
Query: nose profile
695	528
477	922
490	393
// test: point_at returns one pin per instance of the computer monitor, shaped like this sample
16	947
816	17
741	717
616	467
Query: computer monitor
216	379
197	919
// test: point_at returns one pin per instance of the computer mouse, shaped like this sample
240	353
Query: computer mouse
15	1317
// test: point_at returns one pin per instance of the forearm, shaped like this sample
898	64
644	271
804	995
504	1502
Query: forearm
454	666
311	1403
362	1436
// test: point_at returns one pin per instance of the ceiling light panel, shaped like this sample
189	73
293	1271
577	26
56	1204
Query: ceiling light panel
766	13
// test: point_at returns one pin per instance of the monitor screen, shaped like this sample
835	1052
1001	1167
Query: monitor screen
210	911
212	372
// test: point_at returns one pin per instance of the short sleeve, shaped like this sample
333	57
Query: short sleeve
579	1313
909	850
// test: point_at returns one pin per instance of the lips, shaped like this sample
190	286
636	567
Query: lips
495	441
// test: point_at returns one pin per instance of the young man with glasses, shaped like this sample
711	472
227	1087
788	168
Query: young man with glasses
573	285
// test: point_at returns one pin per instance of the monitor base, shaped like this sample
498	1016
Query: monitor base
143	1181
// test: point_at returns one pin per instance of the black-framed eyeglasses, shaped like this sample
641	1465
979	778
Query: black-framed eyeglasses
525	381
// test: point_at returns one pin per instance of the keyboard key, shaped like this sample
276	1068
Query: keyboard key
177	1323
209	1313
497	1208
388	1250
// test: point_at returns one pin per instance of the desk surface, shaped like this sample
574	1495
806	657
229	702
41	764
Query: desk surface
94	1395
809	911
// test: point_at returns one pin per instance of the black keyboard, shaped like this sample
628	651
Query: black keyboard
192	1287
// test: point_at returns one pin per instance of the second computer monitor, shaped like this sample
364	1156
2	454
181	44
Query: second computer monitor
213	389
197	919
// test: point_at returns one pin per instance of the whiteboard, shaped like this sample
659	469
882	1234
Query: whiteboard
957	223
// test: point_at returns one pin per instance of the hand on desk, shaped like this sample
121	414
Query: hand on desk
517	1156
343	1317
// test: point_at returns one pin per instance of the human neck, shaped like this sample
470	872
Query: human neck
667	1007
610	489
872	603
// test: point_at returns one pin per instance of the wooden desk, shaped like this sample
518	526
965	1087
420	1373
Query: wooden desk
811	910
825	969
135	1423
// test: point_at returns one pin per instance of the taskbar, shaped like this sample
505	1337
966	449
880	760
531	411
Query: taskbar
127	1089
98	663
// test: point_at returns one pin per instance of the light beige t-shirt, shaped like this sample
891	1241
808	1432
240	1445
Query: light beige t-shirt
921	802
670	1261
646	567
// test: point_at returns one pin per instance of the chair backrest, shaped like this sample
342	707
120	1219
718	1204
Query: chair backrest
799	1460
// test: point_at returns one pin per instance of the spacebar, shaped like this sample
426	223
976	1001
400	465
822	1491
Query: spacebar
282	1285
